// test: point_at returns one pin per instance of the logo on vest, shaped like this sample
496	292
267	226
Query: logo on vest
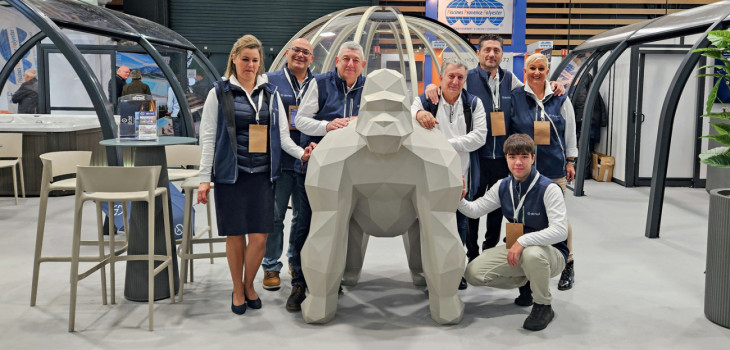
529	213
478	11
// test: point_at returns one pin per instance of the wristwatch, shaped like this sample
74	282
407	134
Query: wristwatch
571	161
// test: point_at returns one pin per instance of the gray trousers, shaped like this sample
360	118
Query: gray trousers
537	264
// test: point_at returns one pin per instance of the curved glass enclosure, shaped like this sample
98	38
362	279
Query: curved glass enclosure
414	46
74	49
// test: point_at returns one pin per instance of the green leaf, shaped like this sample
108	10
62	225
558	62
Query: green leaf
722	128
712	96
707	49
722	139
719	38
718	157
721	115
717	75
712	66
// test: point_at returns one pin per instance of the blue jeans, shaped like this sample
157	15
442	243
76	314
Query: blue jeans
299	236
275	241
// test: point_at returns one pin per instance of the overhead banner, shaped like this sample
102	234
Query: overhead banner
477	16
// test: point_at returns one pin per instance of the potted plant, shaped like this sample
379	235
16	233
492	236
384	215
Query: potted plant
717	273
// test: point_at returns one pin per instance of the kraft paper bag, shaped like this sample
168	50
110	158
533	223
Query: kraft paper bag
514	231
498	128
542	133
257	138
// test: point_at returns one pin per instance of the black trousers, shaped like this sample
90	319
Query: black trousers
491	171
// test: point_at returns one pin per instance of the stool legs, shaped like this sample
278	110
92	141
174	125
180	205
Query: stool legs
39	241
100	234
75	247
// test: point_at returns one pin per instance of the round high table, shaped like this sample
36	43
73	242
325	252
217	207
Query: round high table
147	153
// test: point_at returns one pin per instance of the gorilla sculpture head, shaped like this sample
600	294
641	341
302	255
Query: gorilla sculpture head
386	120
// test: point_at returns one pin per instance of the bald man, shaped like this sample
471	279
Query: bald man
292	82
119	80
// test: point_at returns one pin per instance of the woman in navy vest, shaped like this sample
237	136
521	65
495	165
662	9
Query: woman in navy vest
535	110
242	135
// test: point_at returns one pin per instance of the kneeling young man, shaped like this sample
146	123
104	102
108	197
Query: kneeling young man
537	230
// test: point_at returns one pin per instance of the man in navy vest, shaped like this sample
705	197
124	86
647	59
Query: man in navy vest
291	82
537	231
331	101
493	85
461	118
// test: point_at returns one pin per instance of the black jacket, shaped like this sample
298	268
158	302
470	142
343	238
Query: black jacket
27	97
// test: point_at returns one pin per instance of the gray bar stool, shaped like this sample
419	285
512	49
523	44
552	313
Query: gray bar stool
185	250
179	157
56	164
121	184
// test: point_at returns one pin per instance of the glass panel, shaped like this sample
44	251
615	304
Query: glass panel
16	30
152	30
568	74
151	73
80	14
383	51
200	81
64	86
609	38
684	21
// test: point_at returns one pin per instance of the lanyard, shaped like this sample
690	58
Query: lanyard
257	109
522	200
495	92
298	90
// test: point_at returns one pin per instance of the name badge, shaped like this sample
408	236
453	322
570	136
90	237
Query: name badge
257	138
498	128
514	231
542	132
292	117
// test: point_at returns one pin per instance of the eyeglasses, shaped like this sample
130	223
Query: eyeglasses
301	51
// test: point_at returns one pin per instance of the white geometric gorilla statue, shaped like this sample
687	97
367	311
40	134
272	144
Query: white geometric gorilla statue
383	178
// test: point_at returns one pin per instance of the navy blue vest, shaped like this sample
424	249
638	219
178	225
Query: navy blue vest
469	105
532	214
476	83
235	114
334	99
288	98
550	160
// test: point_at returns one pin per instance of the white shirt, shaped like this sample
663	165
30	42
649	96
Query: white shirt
308	110
172	105
557	230
453	125
566	110
208	130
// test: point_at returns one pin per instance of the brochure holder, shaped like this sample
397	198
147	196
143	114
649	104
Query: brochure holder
138	118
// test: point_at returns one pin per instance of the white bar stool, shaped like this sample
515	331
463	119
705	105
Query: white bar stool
57	164
185	250
121	184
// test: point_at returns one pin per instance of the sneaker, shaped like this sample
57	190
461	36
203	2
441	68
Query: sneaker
463	285
298	293
272	281
539	317
566	278
525	298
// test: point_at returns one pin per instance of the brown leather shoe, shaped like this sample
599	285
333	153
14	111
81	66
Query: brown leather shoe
272	281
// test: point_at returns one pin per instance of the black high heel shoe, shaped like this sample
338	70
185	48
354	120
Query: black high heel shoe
254	304
239	309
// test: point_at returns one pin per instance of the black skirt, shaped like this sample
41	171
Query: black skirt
246	206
